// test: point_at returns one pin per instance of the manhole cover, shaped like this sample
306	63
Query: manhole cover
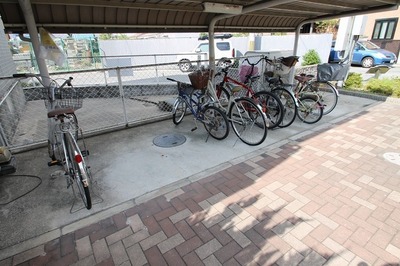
169	140
392	157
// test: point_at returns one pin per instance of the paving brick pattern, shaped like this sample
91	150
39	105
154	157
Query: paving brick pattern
329	198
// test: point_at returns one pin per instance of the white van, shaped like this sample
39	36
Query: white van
223	50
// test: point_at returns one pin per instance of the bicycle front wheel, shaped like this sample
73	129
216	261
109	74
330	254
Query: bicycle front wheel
179	111
78	169
247	121
328	95
271	106
310	111
215	122
223	95
289	106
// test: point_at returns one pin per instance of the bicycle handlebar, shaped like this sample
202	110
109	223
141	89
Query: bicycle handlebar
263	57
31	75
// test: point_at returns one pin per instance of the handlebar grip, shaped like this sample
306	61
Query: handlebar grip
69	81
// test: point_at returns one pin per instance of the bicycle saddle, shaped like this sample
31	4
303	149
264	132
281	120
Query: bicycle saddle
304	78
60	111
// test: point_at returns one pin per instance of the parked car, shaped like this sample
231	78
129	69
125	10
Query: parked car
223	50
366	54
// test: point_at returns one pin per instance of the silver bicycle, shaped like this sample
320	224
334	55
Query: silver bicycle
61	102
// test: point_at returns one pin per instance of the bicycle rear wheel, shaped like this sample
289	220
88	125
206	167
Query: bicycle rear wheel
179	111
310	111
78	169
328	95
289	106
247	121
271	106
215	122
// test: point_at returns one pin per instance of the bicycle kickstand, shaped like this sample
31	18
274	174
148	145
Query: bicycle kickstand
195	125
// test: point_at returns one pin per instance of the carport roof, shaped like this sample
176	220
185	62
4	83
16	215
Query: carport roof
123	16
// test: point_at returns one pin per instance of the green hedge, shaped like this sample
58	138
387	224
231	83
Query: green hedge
311	58
353	81
385	86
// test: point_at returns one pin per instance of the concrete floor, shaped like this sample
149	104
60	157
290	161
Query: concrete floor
127	165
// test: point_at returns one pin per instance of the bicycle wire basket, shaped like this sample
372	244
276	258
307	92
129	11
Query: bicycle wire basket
199	79
65	98
185	87
247	70
281	66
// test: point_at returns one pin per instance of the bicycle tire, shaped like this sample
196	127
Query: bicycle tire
78	169
223	95
247	121
328	95
215	122
310	111
289	106
179	111
75	121
271	106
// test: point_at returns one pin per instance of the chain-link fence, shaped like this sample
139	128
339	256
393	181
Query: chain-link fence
113	98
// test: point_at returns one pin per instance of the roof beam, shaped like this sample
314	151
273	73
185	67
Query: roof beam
115	4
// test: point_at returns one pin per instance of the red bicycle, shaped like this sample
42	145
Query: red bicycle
270	104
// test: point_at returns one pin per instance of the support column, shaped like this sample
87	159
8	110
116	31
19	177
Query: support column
34	37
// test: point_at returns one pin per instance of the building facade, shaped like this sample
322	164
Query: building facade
383	29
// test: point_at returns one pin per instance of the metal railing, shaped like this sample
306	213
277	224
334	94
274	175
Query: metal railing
113	98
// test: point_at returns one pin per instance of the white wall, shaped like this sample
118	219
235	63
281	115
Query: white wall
319	42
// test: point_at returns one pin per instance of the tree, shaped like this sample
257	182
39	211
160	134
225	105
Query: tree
105	36
327	26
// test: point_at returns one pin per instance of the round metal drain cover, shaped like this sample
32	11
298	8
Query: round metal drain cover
169	140
392	157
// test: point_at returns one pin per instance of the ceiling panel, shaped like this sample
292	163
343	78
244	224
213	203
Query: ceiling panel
123	16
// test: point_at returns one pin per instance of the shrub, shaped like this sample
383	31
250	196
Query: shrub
385	86
311	58
353	81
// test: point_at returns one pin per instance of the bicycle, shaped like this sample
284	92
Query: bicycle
202	109
327	92
305	105
63	147
270	104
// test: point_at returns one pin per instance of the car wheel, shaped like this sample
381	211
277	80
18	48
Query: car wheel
185	65
367	62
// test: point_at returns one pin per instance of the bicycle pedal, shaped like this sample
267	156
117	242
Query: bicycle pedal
52	163
85	153
193	129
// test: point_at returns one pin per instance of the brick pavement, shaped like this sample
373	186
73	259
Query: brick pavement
329	198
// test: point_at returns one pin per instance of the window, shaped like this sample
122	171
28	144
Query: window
384	29
223	46
203	47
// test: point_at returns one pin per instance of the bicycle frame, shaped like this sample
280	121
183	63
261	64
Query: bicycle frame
190	103
249	91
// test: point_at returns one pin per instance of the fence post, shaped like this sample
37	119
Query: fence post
155	62
121	92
